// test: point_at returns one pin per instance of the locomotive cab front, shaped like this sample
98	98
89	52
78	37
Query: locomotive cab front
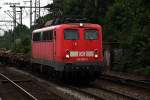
82	46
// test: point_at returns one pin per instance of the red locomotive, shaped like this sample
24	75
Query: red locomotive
73	49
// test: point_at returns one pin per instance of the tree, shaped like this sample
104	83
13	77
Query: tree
127	22
19	40
93	9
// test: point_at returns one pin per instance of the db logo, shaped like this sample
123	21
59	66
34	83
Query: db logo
82	53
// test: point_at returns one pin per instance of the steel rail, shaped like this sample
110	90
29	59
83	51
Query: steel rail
19	87
140	84
117	93
86	93
106	90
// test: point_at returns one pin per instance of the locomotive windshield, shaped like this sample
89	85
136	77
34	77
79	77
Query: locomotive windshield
91	34
71	34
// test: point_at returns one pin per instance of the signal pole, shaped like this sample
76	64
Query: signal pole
21	15
30	13
35	13
14	15
37	10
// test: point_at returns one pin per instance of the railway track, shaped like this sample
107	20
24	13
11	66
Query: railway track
90	92
137	83
132	89
81	93
102	93
66	91
70	92
18	87
23	87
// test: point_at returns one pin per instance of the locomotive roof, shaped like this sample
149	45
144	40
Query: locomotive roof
56	26
45	29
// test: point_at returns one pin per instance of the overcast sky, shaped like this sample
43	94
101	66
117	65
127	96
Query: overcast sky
4	16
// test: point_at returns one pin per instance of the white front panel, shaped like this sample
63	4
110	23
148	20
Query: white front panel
81	53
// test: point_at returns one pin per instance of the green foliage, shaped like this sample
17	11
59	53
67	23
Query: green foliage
93	9
128	22
22	42
18	40
139	48
22	45
124	18
6	40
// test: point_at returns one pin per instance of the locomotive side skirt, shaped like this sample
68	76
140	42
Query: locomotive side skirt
76	66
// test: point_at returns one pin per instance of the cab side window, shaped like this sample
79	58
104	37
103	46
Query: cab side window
36	36
47	35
